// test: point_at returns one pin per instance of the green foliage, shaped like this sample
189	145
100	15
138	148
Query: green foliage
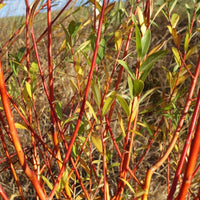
108	115
147	65
138	86
15	62
108	103
101	51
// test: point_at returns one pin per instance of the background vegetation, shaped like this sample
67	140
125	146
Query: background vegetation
100	101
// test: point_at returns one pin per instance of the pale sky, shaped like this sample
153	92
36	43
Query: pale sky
17	7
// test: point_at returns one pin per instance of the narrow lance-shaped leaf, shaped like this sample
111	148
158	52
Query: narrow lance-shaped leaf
135	108
130	85
120	120
92	111
98	6
118	39
96	92
146	72
186	42
129	70
101	51
58	109
148	64
174	19
172	6
33	69
146	39
151	60
176	56
108	103
20	126
148	128
190	52
28	89
33	10
63	181
138	86
138	41
141	20
73	28
96	140
176	38
123	104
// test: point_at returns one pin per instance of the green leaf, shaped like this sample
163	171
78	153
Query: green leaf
93	40
123	104
186	43
63	181
101	51
128	184
28	89
138	86
148	64
118	39
129	70
188	14
108	103
14	67
138	41
96	93
148	128
20	53
20	126
49	184
172	6
174	20
92	110
190	52
146	39
151	60
120	120
83	46
69	120
96	140
146	72
130	85
34	68
58	109
98	6
73	28
147	93
176	56
135	108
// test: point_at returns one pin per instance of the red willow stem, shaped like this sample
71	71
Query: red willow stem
29	126
185	149
112	136
50	59
83	103
13	131
3	194
121	67
46	30
105	177
176	134
195	146
11	164
51	90
43	80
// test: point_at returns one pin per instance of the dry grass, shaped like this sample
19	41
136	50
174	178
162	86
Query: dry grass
64	91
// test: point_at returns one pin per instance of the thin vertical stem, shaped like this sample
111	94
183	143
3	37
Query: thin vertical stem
83	103
13	131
